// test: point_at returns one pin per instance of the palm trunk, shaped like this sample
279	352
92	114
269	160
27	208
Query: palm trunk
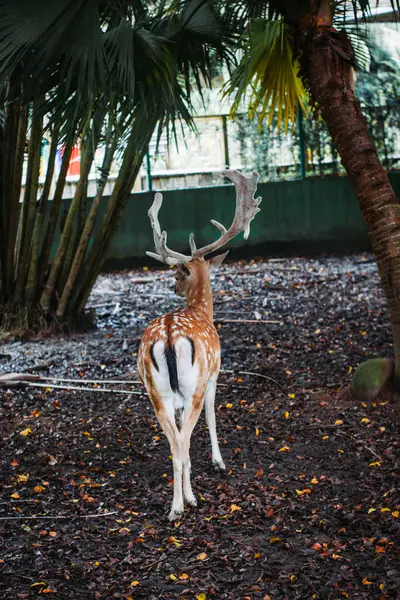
327	73
10	146
55	211
32	283
30	199
134	154
86	163
16	192
84	240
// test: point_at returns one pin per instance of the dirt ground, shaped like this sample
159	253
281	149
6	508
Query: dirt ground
309	506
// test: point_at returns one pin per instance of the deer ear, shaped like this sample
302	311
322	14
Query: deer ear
215	261
184	269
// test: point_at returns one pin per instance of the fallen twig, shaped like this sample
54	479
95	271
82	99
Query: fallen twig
247	321
101	381
77	387
53	517
255	375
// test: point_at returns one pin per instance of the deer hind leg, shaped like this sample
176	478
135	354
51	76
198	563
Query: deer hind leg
191	416
166	418
210	419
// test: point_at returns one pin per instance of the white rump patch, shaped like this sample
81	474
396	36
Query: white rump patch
187	374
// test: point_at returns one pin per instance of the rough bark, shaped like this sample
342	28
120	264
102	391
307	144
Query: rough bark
139	138
326	67
30	200
87	231
55	211
46	297
32	282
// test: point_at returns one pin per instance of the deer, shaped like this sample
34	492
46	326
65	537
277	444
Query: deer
179	354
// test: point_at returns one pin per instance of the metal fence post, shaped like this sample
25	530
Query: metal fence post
148	171
302	153
226	142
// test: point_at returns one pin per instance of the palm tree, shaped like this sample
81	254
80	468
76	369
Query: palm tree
105	74
293	53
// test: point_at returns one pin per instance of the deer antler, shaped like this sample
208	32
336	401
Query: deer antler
246	210
162	252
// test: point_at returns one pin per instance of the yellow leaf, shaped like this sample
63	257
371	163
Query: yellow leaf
183	576
284	449
38	488
201	597
365	420
366	582
286	415
338	422
385	509
325	437
363	333
396	514
314	481
375	464
22	478
15	495
234	507
292	578
371	510
381	586
173	577
25	432
135	583
201	556
257	431
350	370
228	405
38	583
173	540
291	396
273	540
258	555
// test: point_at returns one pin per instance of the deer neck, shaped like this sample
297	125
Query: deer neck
199	296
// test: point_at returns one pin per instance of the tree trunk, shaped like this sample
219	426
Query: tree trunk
12	146
55	210
325	57
87	231
141	131
30	200
32	282
86	163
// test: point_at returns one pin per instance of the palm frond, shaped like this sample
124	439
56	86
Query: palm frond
268	70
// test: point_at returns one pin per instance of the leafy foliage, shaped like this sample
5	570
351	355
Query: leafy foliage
268	68
69	71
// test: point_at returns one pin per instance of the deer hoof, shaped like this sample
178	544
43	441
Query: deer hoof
175	515
191	501
219	465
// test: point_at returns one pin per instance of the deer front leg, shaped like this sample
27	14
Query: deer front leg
210	419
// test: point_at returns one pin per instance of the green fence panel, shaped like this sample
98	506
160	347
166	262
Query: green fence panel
296	217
